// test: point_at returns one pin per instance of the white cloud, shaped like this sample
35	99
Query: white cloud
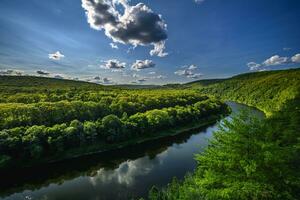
159	49
11	72
113	45
253	66
192	67
183	72
56	56
142	64
296	58
275	60
113	64
189	72
138	25
195	76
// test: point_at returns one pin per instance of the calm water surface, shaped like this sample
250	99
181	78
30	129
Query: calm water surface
121	174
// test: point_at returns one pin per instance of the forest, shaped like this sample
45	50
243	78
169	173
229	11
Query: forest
45	122
248	158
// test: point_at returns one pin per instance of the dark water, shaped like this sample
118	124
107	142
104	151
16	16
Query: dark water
121	174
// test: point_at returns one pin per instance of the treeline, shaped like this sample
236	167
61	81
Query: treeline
29	144
267	90
50	113
249	158
54	95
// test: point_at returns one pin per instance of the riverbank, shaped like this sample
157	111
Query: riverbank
137	168
250	158
105	148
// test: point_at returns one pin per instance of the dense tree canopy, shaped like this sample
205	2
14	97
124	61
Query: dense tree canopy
43	121
249	158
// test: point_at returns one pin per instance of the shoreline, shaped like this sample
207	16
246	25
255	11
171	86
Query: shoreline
96	149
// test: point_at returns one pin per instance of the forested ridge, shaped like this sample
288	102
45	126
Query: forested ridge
44	119
267	90
248	158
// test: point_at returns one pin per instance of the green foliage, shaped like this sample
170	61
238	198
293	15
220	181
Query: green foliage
50	113
243	161
249	158
267	90
36	141
46	118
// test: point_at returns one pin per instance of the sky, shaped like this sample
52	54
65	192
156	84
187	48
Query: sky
147	41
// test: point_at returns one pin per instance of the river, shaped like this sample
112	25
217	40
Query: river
121	174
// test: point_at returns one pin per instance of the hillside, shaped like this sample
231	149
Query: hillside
268	90
42	82
248	158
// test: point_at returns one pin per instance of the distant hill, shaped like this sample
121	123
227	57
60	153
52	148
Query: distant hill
253	83
27	84
134	86
34	81
267	90
204	82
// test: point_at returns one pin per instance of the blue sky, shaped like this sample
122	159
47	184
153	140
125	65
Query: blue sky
208	39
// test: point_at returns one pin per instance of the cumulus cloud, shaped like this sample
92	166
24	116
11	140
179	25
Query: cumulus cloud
113	64
275	60
142	64
192	67
152	73
253	66
113	45
42	72
189	72
137	25
184	72
11	72
296	58
159	49
195	76
56	56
